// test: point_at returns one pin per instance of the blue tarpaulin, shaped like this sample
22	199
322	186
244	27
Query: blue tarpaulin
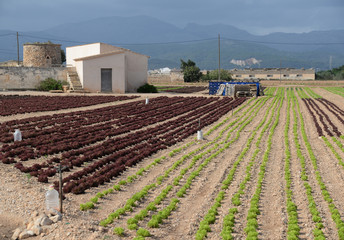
214	86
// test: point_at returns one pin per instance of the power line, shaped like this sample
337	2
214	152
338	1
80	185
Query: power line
8	53
7	34
6	50
126	44
180	42
284	43
52	39
161	43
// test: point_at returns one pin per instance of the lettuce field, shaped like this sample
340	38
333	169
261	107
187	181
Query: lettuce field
270	167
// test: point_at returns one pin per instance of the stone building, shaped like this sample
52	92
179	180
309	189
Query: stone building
42	55
106	68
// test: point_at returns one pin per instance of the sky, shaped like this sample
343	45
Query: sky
258	17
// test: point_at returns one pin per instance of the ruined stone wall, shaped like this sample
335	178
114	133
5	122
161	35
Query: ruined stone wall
177	77
28	77
159	78
166	78
41	55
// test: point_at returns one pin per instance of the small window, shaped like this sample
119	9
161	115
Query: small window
251	75
238	75
285	75
298	75
269	75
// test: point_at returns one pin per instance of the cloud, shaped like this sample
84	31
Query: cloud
261	16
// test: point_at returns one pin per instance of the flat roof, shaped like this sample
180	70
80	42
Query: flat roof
120	48
99	55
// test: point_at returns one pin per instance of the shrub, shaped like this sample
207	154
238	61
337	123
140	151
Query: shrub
147	88
143	232
132	226
50	84
118	231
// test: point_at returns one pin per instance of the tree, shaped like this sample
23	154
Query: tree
214	75
335	73
192	73
63	56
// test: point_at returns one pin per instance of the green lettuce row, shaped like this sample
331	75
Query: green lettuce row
329	145
336	90
152	206
312	93
253	212
228	222
195	173
317	231
293	230
333	209
130	179
159	179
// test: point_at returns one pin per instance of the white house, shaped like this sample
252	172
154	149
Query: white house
106	68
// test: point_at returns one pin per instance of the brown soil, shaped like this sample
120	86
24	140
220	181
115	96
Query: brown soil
20	195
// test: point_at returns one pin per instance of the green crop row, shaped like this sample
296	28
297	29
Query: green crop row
128	207
339	144
236	197
131	202
182	191
317	232
253	212
301	93
270	91
210	216
90	204
154	222
132	222
234	113
333	209
336	90
163	214
159	179
152	206
117	187
230	176
228	222
293	230
312	93
327	142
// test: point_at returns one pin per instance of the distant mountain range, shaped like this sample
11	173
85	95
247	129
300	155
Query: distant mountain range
167	43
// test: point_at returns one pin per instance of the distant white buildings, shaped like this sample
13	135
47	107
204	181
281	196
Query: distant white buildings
165	71
247	62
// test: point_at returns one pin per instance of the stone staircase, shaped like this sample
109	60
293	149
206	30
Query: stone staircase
74	81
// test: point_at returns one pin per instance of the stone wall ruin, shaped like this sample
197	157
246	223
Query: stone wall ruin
42	55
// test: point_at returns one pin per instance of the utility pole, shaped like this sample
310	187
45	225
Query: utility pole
219	57
18	47
330	62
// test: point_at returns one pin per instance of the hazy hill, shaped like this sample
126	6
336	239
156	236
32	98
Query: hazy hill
158	39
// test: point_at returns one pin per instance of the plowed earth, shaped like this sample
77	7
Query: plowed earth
21	195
